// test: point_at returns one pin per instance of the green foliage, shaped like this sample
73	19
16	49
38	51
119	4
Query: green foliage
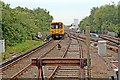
20	48
104	18
21	24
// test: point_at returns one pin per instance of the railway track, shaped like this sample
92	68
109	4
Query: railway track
57	67
112	43
111	39
64	52
111	60
72	47
9	63
19	66
67	72
73	72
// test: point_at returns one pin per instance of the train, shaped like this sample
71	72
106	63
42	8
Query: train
57	30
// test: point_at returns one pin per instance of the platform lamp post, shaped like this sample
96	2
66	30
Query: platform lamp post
118	73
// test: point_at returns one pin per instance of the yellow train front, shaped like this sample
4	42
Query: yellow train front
57	30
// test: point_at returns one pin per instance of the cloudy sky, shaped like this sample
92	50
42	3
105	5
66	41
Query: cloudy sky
63	10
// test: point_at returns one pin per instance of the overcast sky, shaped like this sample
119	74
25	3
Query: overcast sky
62	10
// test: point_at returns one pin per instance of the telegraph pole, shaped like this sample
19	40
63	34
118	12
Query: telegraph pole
88	52
119	62
119	43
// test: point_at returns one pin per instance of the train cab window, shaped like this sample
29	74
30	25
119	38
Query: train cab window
60	25
56	26
53	26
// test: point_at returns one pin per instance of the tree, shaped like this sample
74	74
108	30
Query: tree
21	24
101	19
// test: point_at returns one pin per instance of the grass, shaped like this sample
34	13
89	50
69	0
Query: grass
20	48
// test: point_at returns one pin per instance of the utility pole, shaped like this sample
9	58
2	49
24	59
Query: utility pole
119	43
88	52
119	62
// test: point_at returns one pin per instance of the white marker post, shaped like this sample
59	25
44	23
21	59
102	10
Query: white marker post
2	46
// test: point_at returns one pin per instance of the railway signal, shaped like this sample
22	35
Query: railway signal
39	34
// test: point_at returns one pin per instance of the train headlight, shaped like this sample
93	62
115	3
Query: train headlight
61	31
52	31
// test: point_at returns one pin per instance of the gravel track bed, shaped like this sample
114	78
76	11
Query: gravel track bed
99	68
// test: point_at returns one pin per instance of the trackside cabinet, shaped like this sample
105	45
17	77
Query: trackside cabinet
102	48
